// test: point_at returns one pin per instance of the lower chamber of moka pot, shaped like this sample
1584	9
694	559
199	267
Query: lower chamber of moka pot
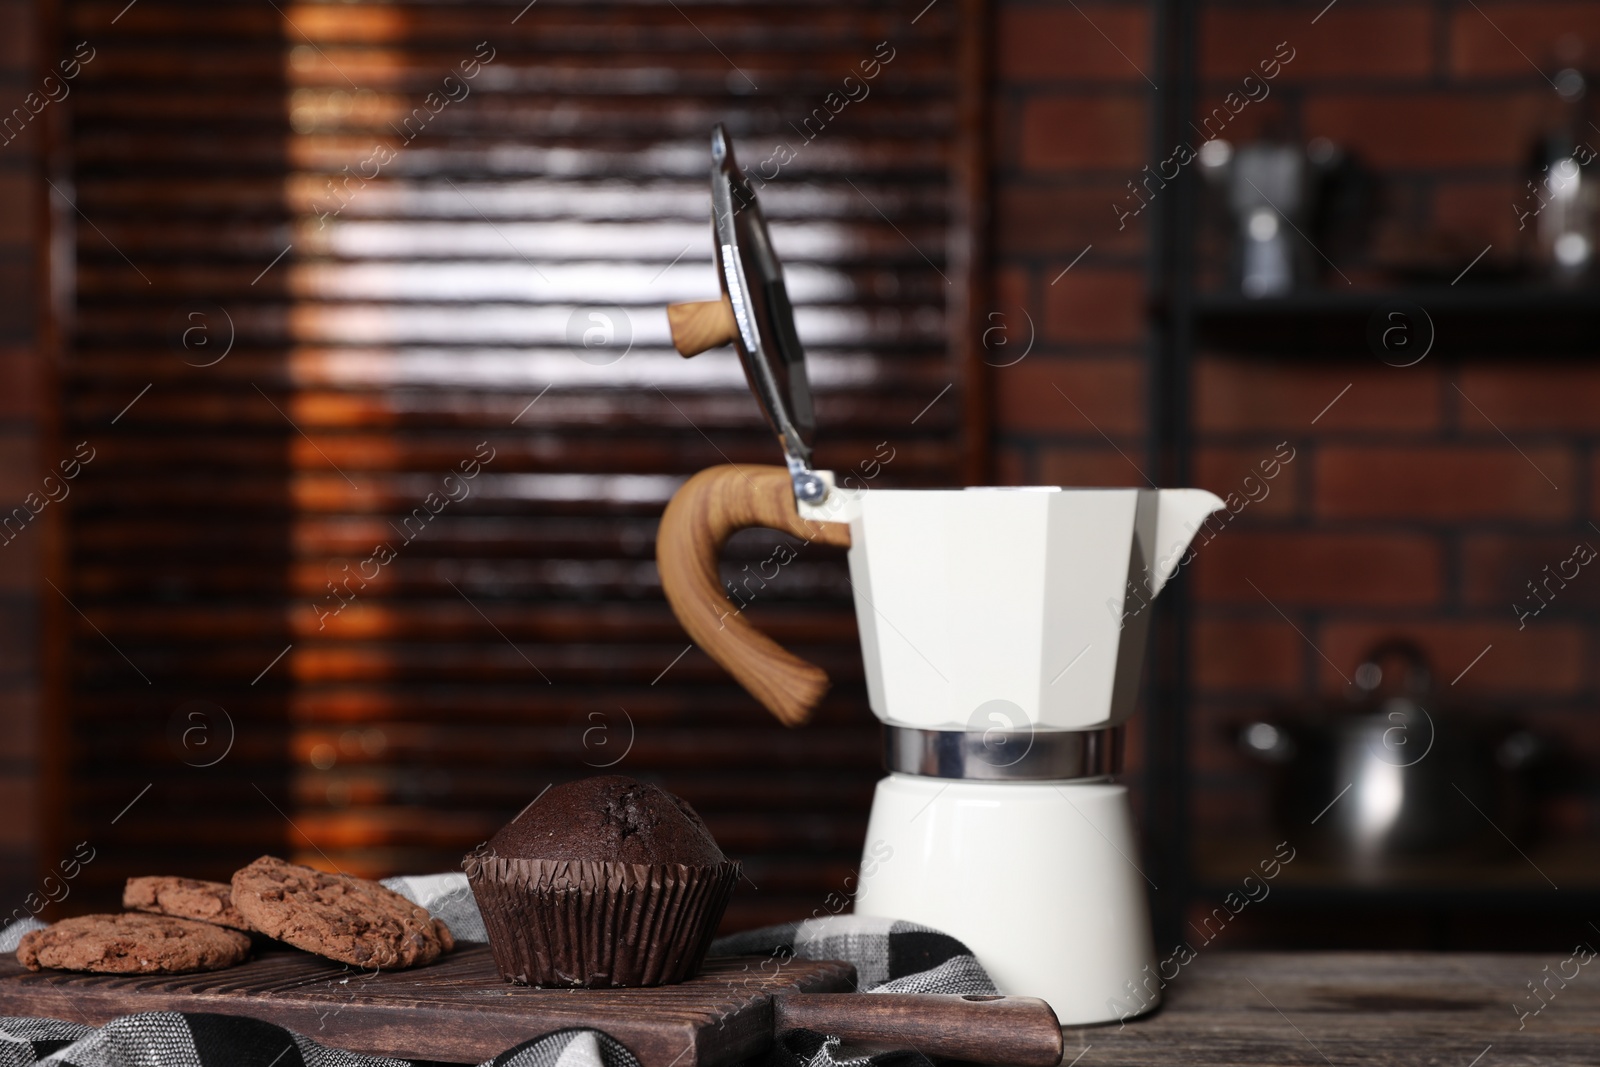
1037	878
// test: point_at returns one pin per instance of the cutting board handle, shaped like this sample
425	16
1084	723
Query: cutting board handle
1021	1031
704	512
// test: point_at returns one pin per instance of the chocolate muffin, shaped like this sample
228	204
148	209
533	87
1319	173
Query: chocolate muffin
603	882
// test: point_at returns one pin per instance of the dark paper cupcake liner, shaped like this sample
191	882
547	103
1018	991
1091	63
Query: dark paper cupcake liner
598	925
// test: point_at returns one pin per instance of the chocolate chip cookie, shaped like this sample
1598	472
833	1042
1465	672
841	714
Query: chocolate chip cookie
347	919
132	943
184	898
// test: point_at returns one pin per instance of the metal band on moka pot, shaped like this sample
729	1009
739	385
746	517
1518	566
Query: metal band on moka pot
1003	755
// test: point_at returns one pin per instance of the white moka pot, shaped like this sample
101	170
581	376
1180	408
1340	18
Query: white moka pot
1003	633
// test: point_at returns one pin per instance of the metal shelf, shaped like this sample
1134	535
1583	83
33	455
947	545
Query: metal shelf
1557	873
1477	316
1458	321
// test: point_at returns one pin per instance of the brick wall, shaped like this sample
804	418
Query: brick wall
1426	497
1071	126
1406	509
19	462
1408	512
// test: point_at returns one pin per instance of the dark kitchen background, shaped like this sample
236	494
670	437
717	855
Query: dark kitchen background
273	270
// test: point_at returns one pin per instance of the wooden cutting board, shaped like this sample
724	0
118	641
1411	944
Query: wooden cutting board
458	1009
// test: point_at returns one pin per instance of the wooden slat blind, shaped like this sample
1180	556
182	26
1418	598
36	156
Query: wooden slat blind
394	281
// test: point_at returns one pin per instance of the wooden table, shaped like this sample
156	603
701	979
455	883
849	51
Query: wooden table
1246	1009
1347	1008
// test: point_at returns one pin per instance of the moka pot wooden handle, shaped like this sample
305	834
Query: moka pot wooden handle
699	519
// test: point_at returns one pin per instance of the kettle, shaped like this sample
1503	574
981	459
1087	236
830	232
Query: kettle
1391	782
